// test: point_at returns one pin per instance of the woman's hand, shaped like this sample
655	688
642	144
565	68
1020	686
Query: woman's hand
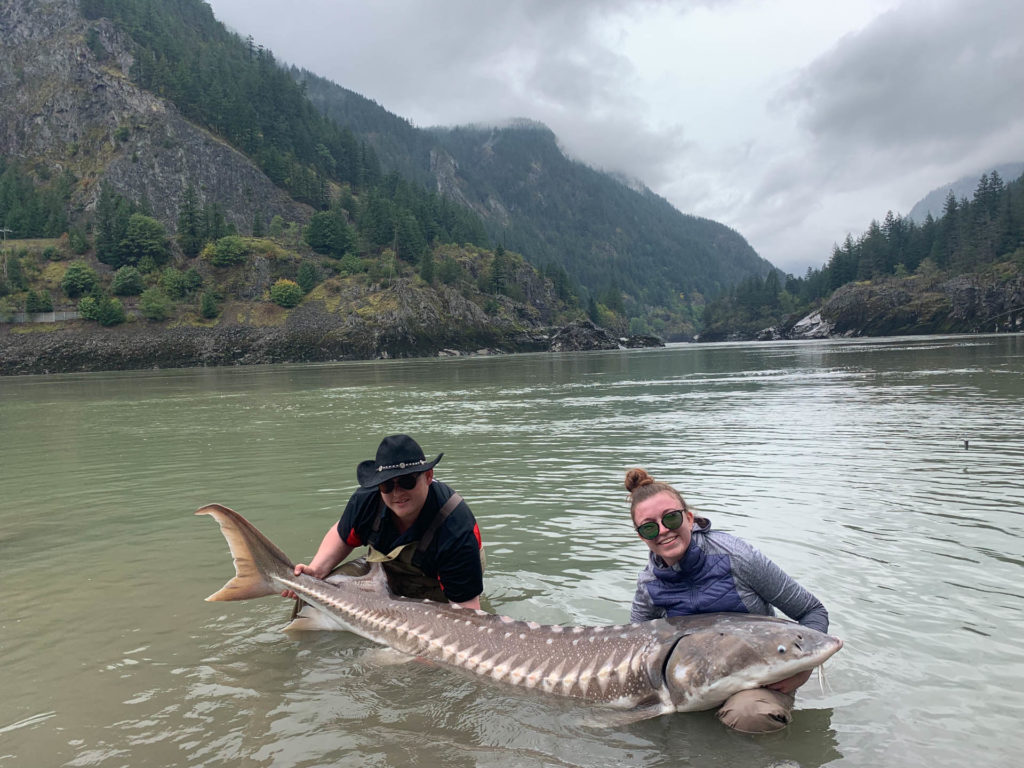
790	684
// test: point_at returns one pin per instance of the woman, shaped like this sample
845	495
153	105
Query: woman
692	569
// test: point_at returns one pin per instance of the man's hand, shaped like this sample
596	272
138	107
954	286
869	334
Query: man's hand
300	568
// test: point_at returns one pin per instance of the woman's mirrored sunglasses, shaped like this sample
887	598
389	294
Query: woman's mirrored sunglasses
405	482
671	520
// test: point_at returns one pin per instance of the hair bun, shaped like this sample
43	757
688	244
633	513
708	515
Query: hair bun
637	477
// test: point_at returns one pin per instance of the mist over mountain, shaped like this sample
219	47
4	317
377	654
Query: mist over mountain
605	231
963	187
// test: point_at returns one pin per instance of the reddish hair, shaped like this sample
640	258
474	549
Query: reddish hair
642	486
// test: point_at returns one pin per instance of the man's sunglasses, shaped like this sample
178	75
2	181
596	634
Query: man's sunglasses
405	482
671	520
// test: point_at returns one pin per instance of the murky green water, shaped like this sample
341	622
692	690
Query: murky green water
844	461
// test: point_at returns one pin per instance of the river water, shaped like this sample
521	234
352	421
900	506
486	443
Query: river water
887	476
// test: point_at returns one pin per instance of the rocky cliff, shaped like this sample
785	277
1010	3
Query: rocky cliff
69	105
988	302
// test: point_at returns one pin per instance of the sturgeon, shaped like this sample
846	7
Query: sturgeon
679	664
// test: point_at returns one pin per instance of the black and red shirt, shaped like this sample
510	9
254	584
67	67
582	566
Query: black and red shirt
453	554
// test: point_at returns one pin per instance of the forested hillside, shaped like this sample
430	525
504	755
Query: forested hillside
935	201
158	172
630	251
900	276
372	182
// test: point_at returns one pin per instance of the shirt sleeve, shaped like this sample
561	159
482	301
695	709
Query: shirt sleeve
347	523
780	590
459	568
643	608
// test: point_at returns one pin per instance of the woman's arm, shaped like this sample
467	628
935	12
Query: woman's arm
779	589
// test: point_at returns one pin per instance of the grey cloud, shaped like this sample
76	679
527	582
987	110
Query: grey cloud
485	58
924	79
923	94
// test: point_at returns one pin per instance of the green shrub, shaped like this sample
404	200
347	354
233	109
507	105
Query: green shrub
127	282
308	276
7	310
103	309
172	281
193	280
111	311
79	279
16	279
154	304
226	252
427	267
328	233
144	237
208	306
286	293
449	271
78	241
38	302
350	264
88	308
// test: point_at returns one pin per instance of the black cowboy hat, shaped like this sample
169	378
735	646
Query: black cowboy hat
396	455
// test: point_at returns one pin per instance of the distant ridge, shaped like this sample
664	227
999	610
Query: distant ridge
613	236
963	187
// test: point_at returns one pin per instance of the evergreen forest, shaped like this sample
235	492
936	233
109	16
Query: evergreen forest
491	211
971	236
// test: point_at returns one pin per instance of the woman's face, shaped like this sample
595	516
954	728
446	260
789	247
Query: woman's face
670	546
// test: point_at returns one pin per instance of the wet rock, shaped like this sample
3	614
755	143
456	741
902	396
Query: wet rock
811	327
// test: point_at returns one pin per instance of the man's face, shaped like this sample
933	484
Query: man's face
406	504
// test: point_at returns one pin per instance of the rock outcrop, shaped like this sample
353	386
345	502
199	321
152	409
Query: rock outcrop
351	323
72	107
990	302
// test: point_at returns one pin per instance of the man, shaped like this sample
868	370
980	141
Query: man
421	532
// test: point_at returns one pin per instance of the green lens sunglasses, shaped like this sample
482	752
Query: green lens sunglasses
671	520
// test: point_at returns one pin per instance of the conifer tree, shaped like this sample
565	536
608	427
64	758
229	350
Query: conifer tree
112	214
190	230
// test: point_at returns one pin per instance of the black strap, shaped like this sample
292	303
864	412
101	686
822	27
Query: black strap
428	535
437	522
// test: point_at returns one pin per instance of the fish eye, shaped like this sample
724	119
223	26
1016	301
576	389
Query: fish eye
782	649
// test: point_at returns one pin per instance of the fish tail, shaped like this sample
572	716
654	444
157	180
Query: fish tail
256	558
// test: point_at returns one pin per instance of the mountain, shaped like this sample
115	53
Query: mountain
143	134
141	144
534	199
69	106
962	272
965	186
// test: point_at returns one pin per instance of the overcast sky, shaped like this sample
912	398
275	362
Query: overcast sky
792	121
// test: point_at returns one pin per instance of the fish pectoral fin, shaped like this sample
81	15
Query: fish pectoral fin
310	619
619	718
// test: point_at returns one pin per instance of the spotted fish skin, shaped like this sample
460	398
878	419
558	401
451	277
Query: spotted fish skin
660	666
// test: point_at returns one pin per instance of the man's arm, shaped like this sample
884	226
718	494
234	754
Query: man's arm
331	552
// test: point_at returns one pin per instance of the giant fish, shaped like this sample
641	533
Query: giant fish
679	664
